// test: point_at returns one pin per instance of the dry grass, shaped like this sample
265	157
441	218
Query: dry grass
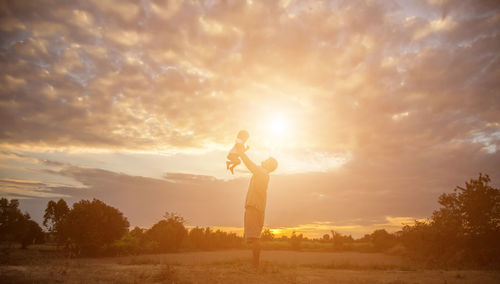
233	267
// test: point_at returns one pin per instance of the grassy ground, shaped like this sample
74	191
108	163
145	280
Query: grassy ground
34	266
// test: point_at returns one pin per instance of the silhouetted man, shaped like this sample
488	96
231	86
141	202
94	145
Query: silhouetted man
255	204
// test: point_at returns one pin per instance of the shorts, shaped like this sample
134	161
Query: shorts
254	221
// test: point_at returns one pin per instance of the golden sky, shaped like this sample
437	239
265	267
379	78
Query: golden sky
372	108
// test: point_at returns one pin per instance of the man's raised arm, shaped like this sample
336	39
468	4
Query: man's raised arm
248	163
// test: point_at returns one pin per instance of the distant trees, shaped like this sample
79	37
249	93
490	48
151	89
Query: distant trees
340	242
464	231
94	228
161	238
296	241
16	227
207	239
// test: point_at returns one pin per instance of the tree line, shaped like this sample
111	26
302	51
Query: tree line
464	231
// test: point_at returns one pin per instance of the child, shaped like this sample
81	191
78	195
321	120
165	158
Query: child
233	156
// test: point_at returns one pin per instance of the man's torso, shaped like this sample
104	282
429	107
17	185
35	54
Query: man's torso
257	190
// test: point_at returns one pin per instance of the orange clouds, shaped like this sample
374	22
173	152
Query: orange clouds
162	75
388	98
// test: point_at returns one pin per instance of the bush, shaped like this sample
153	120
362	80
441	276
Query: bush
132	243
382	240
296	241
167	235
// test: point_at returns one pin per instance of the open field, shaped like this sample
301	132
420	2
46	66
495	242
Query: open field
229	267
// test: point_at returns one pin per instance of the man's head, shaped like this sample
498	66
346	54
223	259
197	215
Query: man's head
270	164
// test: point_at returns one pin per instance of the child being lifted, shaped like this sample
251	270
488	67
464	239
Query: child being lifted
233	157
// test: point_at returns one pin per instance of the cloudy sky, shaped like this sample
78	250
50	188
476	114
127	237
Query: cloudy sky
372	108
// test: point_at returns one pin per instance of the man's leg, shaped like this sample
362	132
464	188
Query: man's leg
256	252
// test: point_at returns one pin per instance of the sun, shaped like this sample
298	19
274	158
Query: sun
279	126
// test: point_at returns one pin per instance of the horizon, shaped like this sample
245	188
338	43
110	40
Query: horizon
372	109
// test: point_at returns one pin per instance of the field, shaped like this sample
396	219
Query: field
42	266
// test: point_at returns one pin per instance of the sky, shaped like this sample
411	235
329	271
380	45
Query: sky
372	108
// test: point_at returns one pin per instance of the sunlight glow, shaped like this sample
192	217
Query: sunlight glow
278	126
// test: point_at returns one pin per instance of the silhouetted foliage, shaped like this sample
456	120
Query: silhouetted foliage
341	242
91	226
133	242
382	240
267	235
167	235
326	238
296	241
31	233
16	227
197	239
207	239
463	232
54	218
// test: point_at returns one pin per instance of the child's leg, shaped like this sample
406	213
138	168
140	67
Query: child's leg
232	158
234	164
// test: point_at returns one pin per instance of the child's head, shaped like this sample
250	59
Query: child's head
243	135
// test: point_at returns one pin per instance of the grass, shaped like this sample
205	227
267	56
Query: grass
231	267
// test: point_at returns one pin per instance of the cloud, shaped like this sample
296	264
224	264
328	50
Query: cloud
168	74
395	102
27	189
188	178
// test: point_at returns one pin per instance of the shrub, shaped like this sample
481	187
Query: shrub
167	234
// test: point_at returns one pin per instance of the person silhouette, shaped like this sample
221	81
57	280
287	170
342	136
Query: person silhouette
255	203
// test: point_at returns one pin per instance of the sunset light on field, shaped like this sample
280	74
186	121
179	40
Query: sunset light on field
372	109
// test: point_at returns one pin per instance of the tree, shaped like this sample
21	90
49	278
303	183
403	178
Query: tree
16	226
54	217
168	234
464	231
10	218
91	226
